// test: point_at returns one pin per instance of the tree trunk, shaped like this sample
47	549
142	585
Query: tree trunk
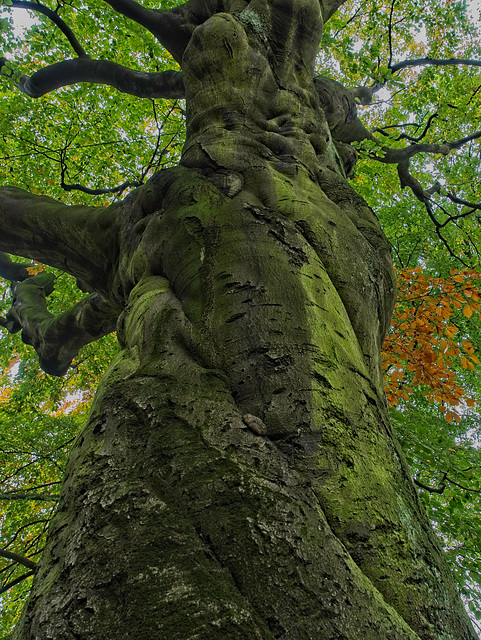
238	476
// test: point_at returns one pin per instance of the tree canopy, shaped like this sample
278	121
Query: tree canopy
92	107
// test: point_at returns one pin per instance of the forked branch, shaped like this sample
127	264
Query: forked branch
346	128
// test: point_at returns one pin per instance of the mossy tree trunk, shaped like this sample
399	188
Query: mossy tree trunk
238	476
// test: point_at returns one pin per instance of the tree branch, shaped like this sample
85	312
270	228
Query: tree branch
16	581
424	196
80	240
390	32
173	27
18	558
56	19
465	203
419	62
365	94
396	156
30	496
12	270
56	339
329	8
99	192
423	132
168	84
426	487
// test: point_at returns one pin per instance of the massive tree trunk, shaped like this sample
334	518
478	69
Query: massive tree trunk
238	476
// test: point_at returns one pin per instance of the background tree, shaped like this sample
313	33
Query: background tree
232	409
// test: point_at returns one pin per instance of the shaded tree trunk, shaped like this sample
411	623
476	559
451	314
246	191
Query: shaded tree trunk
238	476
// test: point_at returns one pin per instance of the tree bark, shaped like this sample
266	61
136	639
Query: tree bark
238	476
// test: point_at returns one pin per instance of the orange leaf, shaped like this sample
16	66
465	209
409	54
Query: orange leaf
468	312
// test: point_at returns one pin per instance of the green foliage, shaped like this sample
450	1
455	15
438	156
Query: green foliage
99	138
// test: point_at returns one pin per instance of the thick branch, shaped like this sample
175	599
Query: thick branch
56	19
57	340
168	84
80	240
18	558
173	27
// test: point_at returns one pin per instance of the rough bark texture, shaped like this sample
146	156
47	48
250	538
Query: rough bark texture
238	476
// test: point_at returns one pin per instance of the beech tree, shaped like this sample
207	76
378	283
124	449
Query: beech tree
238	475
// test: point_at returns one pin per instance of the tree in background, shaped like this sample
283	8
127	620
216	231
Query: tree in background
238	475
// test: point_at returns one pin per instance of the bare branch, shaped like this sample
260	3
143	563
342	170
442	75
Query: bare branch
351	19
56	19
168	84
30	496
390	32
18	558
396	156
419	62
424	196
16	581
465	203
456	484
442	485
365	94
99	192
426	487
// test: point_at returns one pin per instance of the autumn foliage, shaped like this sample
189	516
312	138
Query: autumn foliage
425	344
